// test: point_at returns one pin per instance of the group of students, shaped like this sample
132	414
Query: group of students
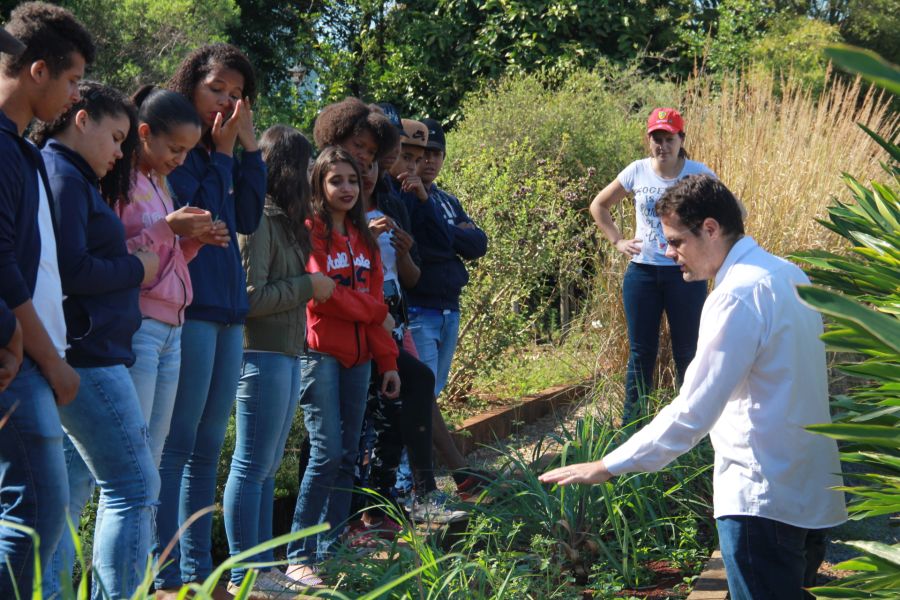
159	265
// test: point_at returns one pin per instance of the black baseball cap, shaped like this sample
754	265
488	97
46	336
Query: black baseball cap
390	111
9	44
435	135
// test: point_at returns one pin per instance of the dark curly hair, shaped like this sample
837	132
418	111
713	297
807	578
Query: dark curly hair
699	197
329	157
286	153
100	101
339	121
200	63
49	33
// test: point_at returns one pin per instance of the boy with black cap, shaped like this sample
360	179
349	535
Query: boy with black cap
445	236
42	82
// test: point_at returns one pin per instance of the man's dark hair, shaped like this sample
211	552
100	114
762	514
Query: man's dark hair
200	63
699	197
49	33
341	120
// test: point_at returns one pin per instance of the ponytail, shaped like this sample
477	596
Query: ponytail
100	101
163	110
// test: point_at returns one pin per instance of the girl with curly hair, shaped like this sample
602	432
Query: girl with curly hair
220	83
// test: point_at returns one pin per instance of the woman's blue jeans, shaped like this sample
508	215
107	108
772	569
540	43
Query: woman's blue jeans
211	356
647	291
769	559
157	350
109	444
334	404
33	487
267	396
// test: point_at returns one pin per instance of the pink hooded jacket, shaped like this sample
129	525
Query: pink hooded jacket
165	298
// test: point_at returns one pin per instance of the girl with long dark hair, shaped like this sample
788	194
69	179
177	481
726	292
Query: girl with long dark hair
89	152
345	333
274	338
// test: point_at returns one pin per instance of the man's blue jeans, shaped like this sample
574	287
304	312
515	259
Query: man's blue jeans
267	396
647	291
211	356
334	404
769	559
157	350
33	488
109	444
435	333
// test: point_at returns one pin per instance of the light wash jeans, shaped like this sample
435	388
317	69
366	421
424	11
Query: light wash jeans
211	356
33	488
157	350
109	443
267	396
334	404
435	333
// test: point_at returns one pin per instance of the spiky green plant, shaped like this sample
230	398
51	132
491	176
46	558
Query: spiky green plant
861	298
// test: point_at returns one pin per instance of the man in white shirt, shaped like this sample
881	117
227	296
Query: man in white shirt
757	379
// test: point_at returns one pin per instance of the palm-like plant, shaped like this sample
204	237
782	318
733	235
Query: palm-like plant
861	297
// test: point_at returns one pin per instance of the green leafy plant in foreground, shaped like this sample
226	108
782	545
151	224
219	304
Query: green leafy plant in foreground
862	303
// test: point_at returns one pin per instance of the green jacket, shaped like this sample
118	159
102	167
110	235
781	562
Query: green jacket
277	285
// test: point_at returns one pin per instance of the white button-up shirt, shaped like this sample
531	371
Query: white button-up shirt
757	379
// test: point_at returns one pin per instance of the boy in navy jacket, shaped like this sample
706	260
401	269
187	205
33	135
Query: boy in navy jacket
41	81
445	237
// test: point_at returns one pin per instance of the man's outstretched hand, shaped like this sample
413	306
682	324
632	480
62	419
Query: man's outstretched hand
591	472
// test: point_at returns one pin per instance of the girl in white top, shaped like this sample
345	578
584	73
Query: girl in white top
653	282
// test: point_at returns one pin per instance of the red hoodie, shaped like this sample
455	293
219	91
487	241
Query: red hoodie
347	326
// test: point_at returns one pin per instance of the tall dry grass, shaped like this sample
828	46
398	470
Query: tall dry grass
781	153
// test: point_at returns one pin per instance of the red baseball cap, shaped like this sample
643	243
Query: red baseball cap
667	119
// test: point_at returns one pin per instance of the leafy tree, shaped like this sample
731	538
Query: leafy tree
142	41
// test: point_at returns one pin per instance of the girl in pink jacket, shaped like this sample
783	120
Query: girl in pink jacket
168	128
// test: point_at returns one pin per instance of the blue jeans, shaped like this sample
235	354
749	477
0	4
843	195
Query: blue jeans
334	404
33	487
647	291
157	350
267	396
110	445
435	333
211	356
769	559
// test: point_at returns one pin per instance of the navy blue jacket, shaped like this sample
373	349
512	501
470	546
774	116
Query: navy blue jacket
100	279
20	238
7	324
234	192
442	247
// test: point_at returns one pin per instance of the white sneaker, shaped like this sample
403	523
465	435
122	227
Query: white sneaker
265	588
304	575
287	582
432	508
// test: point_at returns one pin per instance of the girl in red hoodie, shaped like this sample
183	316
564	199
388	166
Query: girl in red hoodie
345	333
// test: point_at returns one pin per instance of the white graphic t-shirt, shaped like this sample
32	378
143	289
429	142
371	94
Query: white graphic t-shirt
640	179
48	296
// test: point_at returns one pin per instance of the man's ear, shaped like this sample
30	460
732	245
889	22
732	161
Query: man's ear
711	227
39	71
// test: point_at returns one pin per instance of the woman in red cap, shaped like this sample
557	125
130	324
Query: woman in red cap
653	283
